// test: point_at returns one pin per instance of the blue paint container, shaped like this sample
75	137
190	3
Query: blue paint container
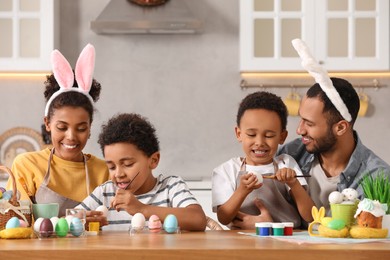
263	228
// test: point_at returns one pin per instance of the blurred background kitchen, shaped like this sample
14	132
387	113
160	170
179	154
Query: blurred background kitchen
189	80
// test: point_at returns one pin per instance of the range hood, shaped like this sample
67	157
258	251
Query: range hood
125	17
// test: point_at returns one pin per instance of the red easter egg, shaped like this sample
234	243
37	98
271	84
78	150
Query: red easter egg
46	228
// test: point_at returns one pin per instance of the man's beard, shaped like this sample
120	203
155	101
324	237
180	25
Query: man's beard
323	145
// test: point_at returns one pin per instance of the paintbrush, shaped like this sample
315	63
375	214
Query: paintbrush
128	185
22	182
274	176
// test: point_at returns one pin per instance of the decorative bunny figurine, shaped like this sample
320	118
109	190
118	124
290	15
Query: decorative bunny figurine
327	227
318	215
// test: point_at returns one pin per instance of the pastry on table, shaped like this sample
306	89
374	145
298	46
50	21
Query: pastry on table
369	220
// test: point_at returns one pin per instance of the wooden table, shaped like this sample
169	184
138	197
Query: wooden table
191	245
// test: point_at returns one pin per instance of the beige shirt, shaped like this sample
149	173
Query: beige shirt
320	186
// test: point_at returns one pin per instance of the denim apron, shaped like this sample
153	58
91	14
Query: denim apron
46	195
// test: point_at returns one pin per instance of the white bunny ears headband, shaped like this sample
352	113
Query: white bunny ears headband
64	75
321	77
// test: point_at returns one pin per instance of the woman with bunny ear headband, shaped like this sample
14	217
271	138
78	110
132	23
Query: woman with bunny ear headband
64	174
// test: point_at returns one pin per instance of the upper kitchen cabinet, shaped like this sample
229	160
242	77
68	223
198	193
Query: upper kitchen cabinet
28	33
343	35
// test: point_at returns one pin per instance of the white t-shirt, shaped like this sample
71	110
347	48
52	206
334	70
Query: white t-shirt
169	191
274	194
320	186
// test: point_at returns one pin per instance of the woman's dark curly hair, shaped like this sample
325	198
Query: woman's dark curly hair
71	98
263	100
130	128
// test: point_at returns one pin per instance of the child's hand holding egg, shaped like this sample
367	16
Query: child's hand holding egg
259	177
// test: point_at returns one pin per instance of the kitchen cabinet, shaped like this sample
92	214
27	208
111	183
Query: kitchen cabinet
29	33
343	35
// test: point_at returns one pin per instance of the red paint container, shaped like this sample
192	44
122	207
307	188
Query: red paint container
288	228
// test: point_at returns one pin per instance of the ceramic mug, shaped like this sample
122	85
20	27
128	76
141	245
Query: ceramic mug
363	104
344	212
45	210
292	102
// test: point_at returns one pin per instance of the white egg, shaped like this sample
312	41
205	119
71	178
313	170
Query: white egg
138	221
103	209
69	219
350	194
348	202
54	221
335	197
259	177
37	224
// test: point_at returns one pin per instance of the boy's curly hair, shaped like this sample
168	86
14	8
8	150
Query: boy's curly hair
263	100
130	128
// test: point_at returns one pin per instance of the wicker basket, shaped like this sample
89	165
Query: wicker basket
12	208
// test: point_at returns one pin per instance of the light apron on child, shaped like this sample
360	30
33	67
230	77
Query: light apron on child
272	193
46	195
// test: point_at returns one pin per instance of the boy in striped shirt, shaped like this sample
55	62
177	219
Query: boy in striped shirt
131	151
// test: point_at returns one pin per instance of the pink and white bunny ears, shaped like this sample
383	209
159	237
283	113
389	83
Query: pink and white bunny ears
64	75
320	75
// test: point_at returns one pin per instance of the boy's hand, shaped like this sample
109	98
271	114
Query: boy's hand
125	199
286	175
95	216
248	183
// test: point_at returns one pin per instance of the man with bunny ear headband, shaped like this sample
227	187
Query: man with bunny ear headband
330	149
63	174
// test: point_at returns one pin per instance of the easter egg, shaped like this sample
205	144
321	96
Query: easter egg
1	194
62	227
46	228
348	202
76	227
103	209
13	223
2	189
259	177
54	221
325	221
69	219
335	197
170	223
350	194
336	224
23	223
37	224
138	221
154	224
7	195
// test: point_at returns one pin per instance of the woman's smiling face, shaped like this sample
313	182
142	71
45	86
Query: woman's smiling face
69	129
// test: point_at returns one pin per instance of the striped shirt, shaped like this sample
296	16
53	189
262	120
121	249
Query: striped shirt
170	191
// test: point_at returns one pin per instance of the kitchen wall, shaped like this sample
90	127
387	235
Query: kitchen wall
187	85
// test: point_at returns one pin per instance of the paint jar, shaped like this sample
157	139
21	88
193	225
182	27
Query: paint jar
263	228
277	229
288	228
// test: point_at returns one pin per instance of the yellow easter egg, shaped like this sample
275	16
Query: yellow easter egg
325	221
